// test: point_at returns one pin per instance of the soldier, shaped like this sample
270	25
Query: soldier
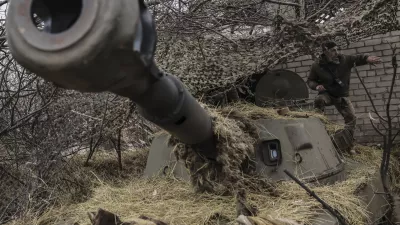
330	76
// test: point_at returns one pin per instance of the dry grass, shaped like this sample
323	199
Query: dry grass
255	112
369	153
168	199
175	202
72	183
235	137
104	165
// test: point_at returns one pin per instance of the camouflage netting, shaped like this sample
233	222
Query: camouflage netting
215	45
235	136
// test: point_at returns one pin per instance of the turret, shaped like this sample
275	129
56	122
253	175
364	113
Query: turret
103	45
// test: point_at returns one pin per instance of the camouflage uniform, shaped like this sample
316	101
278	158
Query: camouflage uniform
335	77
343	106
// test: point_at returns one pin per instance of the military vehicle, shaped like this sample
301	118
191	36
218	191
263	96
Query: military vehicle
301	146
103	45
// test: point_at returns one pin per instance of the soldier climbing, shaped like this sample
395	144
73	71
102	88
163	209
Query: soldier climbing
330	76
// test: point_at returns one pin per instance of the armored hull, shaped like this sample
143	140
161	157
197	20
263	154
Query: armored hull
301	146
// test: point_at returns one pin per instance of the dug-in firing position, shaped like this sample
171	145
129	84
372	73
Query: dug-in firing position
330	76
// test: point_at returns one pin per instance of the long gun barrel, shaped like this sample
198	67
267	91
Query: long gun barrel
106	45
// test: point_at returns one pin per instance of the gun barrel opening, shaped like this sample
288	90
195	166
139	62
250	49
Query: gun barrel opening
77	44
55	16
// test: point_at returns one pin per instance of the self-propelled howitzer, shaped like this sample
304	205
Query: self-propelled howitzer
106	45
102	45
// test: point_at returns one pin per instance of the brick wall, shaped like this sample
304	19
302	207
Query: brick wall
377	80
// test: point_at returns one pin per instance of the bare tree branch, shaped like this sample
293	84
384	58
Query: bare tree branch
320	10
376	129
283	3
369	96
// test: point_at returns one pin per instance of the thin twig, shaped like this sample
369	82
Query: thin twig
16	125
212	30
12	176
320	10
82	114
376	129
283	3
369	96
398	132
388	140
334	212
